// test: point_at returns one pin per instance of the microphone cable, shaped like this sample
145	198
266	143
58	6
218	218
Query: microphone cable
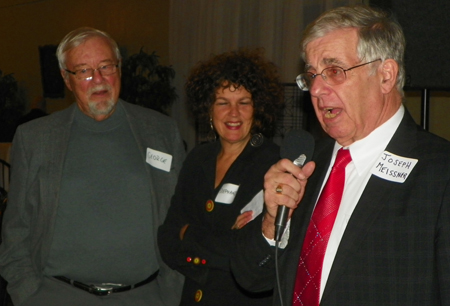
277	274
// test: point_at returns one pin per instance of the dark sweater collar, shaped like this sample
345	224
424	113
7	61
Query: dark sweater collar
112	122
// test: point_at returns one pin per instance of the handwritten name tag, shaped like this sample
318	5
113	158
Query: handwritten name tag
227	193
159	159
394	168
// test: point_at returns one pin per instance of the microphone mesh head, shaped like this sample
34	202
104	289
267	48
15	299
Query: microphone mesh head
295	143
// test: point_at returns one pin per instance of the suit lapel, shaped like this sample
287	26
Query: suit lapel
370	204
144	135
55	148
302	216
209	164
149	132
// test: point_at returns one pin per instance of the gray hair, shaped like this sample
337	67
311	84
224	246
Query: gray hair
380	35
77	37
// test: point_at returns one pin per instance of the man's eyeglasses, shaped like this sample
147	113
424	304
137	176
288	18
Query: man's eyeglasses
332	76
88	73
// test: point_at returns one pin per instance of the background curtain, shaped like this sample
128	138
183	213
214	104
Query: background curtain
201	28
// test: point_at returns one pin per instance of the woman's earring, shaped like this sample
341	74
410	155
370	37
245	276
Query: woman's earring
256	140
211	137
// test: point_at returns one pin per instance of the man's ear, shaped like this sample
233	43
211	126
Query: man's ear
389	74
65	76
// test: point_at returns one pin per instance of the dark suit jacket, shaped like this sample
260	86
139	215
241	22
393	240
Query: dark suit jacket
396	247
209	236
38	152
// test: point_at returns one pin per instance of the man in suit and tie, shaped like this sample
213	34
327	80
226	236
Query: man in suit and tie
90	186
372	224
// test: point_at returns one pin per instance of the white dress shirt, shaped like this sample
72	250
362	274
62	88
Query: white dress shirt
365	153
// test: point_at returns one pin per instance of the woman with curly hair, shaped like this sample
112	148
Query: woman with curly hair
239	95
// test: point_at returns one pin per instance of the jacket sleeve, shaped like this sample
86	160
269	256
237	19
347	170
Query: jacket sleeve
15	256
253	263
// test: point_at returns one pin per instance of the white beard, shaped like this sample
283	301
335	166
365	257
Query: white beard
108	105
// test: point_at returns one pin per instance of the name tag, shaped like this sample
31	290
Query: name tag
394	168
227	193
159	159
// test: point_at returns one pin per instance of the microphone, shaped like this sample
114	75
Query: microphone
297	146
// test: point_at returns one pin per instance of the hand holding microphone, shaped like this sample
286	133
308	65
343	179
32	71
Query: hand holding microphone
287	179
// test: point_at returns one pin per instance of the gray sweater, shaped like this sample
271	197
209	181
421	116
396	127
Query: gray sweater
103	226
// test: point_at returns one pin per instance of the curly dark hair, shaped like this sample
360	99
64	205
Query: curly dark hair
247	68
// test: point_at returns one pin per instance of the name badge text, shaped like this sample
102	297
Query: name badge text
227	193
159	159
394	168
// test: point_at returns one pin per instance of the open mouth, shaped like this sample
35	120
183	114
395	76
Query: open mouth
331	112
233	124
100	92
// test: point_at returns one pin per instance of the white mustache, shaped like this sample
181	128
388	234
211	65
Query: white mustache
99	88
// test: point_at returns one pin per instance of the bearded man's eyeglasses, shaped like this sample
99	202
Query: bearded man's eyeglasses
88	73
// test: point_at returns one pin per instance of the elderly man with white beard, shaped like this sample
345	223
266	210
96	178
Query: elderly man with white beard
90	185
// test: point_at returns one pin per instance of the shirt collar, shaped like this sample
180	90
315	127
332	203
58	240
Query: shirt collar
366	151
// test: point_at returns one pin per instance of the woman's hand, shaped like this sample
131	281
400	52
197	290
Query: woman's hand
183	230
242	220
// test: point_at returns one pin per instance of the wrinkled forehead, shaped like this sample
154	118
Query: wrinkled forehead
96	49
326	62
338	47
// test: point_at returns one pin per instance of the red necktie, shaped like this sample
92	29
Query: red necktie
309	271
